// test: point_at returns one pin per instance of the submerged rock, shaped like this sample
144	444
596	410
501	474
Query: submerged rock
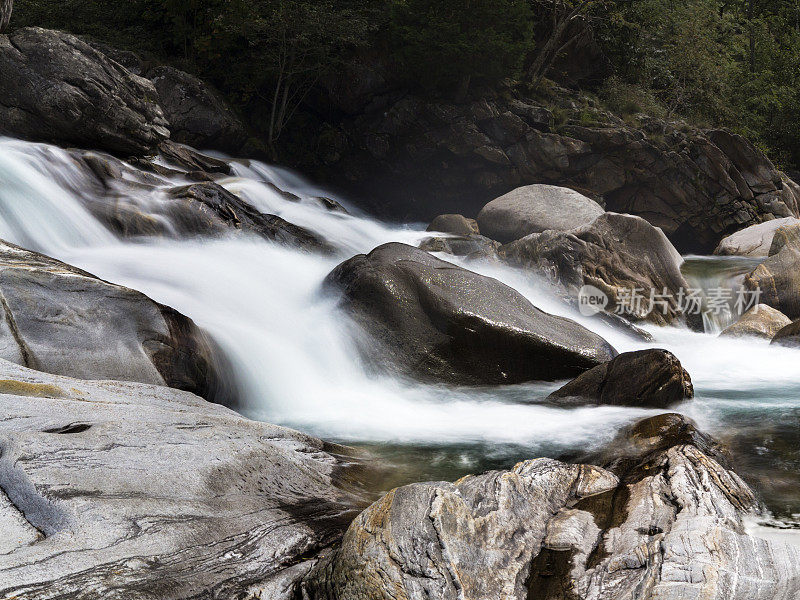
57	88
435	321
536	208
760	321
663	522
61	320
754	240
623	256
124	490
645	378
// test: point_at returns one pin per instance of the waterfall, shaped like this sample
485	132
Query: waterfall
292	350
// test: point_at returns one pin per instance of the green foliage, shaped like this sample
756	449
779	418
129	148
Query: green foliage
444	44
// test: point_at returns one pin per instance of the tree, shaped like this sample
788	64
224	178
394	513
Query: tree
447	44
567	24
5	13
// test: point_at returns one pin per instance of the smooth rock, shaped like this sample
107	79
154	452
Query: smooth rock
651	378
617	254
434	321
57	88
760	321
470	246
755	240
128	491
788	336
62	320
455	224
776	281
536	208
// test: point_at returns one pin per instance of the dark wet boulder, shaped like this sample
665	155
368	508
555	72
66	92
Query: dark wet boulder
62	320
57	88
788	336
434	321
536	208
455	224
192	160
755	240
760	321
123	490
623	256
646	378
208	208
197	114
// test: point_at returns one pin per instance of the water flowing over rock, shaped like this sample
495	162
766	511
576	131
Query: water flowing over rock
122	490
617	254
760	321
57	88
646	378
668	526
435	321
62	320
423	157
534	209
755	240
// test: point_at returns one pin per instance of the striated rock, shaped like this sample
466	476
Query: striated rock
434	321
455	224
616	254
123	490
786	235
196	113
789	335
422	158
668	526
646	378
472	539
760	321
536	208
192	160
62	320
57	88
755	240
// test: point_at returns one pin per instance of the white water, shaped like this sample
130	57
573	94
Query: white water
292	351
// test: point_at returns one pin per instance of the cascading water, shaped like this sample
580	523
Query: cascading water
292	352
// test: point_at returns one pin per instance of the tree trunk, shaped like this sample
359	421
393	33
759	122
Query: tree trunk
5	13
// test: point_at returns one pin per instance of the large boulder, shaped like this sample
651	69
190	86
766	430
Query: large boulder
755	240
123	490
664	522
760	321
197	114
59	319
536	208
623	256
435	321
57	88
776	281
646	378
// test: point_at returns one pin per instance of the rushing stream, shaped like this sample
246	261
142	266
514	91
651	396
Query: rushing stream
295	364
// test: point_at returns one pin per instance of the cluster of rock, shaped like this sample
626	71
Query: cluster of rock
59	88
663	518
422	157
